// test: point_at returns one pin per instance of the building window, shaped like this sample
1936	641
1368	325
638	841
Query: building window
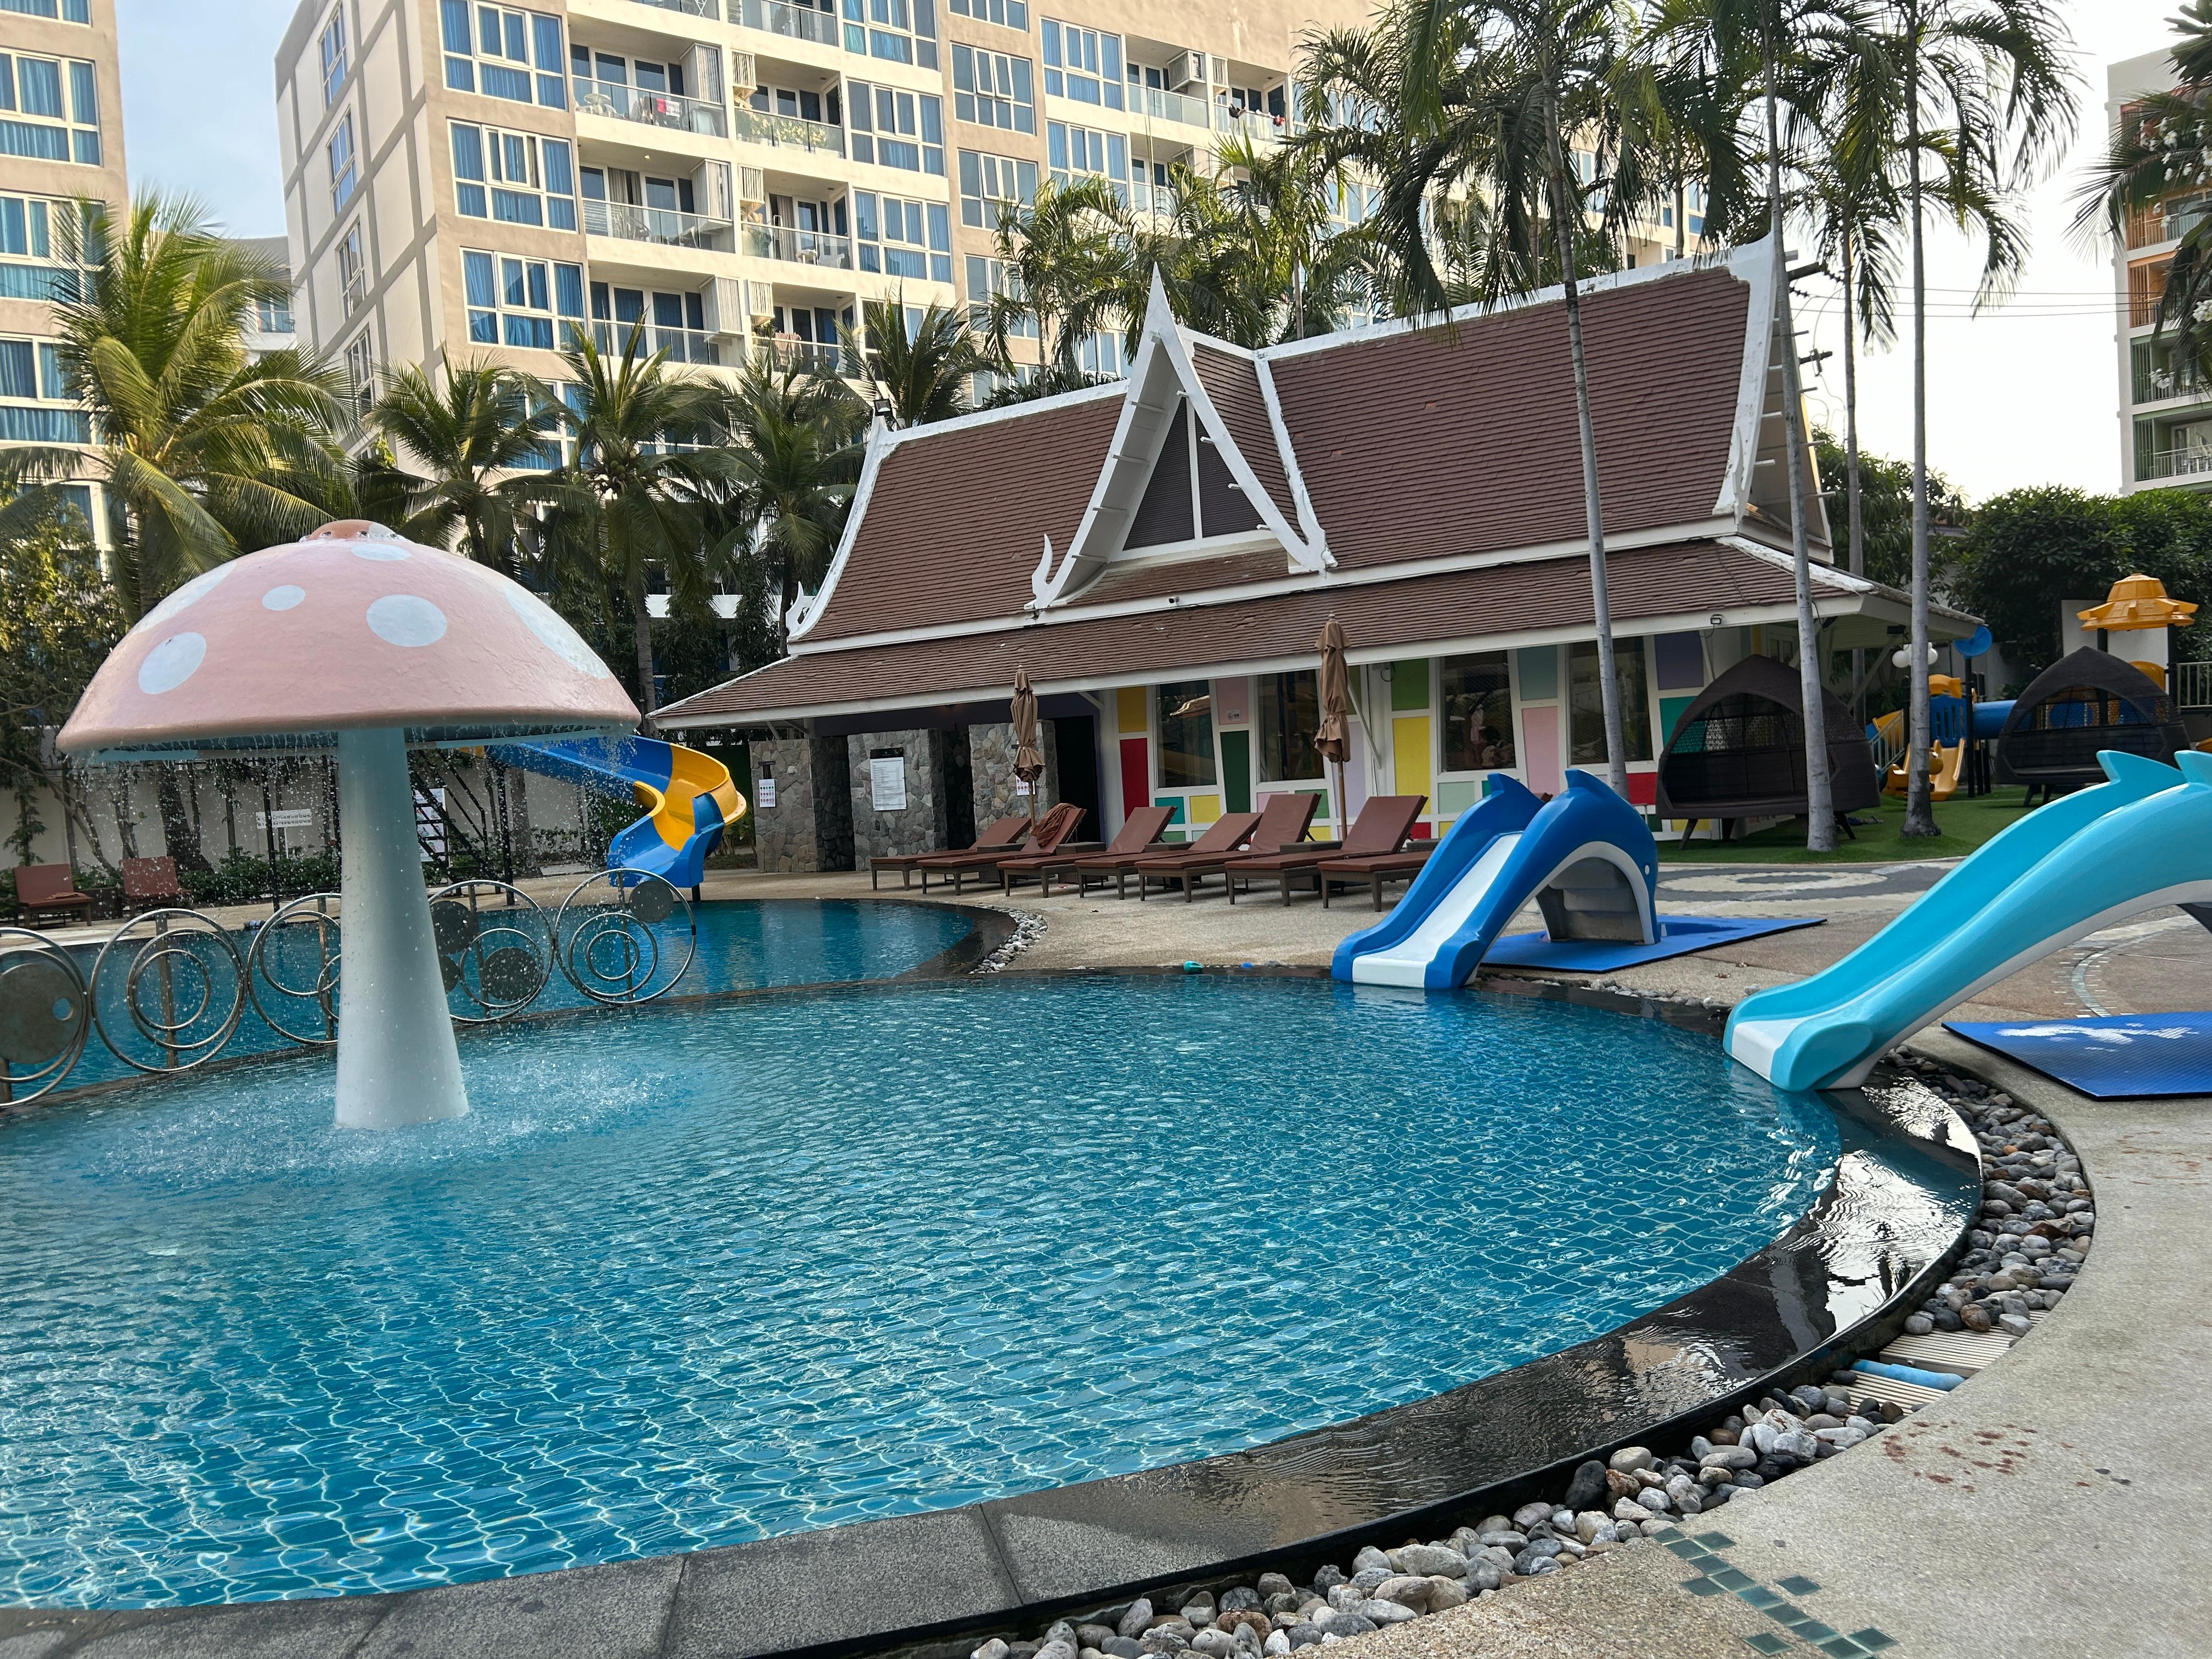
65	11
900	238
273	316
994	279
896	31
334	57
27	224
30	375
1186	735
516	301
992	186
1588	707
344	164
515	178
1289	709
353	269
896	129
56	131
1100	354
1478	702
361	373
1076	153
993	89
1082	64
493	50
1009	14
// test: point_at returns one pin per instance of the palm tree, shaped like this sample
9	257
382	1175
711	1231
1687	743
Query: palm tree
651	462
920	367
1985	93
471	435
1496	96
201	452
1070	266
795	458
1253	253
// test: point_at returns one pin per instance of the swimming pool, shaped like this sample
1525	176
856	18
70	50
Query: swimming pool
702	1274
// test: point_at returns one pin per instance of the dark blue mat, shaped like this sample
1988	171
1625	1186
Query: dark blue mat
2110	1057
1678	937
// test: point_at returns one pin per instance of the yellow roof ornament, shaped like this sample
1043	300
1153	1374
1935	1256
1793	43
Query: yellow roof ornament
2138	602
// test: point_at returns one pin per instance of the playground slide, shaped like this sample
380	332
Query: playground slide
1942	775
1586	857
688	797
2085	861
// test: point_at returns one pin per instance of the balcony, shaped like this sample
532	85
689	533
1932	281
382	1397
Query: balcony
812	357
2168	222
2157	384
664	226
664	110
789	132
1254	126
683	345
1171	107
2185	463
689	7
804	247
792	22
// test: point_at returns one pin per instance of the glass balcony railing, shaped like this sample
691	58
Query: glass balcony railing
1153	198
792	22
789	132
664	109
663	225
805	248
1256	126
683	345
1171	107
689	7
2168	222
815	357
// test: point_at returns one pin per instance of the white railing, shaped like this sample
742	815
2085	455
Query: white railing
792	22
1256	125
2192	684
689	7
804	247
664	109
789	132
2175	463
663	225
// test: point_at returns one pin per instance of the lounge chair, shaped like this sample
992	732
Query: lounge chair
1372	873
1380	829
150	884
1054	828
1003	834
1224	834
45	890
1283	823
1140	834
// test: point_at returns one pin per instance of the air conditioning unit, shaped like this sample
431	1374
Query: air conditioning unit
1184	70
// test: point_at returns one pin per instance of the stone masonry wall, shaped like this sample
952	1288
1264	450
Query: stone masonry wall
992	751
810	827
918	826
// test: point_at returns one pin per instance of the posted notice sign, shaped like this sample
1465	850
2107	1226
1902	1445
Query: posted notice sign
887	784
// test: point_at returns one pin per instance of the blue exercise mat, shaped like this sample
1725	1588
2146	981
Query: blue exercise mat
1678	937
2110	1057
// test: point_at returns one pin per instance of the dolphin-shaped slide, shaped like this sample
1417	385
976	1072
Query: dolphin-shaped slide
2084	862
1585	856
689	798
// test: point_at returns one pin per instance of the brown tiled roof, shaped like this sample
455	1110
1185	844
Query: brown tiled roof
959	518
1433	442
1151	580
1678	579
1233	383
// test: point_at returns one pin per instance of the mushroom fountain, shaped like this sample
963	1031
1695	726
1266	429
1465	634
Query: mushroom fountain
358	641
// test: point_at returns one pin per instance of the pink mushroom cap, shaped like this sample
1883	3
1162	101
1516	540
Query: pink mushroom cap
353	628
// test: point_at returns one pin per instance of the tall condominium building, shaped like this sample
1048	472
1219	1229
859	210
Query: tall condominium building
2165	406
734	175
61	143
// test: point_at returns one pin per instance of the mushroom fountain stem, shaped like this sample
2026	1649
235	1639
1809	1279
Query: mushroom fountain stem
397	1061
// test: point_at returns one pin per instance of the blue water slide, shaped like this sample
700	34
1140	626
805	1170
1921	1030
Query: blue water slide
689	798
1586	857
2085	861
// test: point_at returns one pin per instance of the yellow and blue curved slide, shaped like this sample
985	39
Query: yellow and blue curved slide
689	798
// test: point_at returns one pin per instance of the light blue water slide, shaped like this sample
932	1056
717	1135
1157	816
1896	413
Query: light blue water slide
689	798
2084	862
1585	856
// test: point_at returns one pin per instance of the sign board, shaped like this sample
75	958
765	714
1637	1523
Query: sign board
887	784
1021	786
287	817
764	793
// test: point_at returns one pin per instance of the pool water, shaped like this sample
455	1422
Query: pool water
695	1275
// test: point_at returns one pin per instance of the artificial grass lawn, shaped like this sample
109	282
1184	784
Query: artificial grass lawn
1965	824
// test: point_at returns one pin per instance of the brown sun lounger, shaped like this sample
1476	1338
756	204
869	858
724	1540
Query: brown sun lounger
1284	820
1380	829
45	890
1225	835
149	884
1003	834
1054	828
1140	834
1371	873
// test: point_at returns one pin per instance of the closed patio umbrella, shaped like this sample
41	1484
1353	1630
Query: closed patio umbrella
1029	759
1333	741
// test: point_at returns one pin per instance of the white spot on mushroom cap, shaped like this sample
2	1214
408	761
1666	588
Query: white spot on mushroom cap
382	552
171	663
198	588
284	598
404	619
554	634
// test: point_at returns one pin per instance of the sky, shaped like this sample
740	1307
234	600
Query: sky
2026	394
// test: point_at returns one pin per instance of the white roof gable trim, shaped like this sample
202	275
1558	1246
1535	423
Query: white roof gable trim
1162	375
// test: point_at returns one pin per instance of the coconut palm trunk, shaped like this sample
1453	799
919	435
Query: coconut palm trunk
641	625
1857	529
1919	797
1819	800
